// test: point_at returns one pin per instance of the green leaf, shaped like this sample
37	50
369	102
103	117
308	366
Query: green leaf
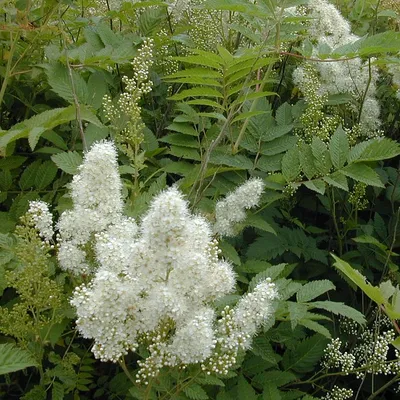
185	128
270	163
284	114
254	266
297	311
291	164
363	173
337	179
45	175
57	392
245	390
12	162
316	327
68	161
97	88
272	271
307	161
27	179
271	391
248	114
371	291
339	148
385	42
237	160
229	252
196	92
5	180
181	140
12	359
257	221
60	79
47	120
195	392
278	145
196	72
340	309
313	289
317	185
306	354
378	149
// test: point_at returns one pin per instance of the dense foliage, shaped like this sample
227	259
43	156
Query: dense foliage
199	199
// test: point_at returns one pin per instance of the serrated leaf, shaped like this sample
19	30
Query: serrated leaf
196	92
297	311
278	145
68	161
291	164
65	83
237	160
307	161
254	266
181	140
195	392
45	175
340	309
384	42
5	180
186	129
257	221
229	252
27	179
313	289
378	149
273	272
57	391
270	163
271	391
317	185
363	173
12	162
284	114
338	180
371	291
339	148
12	359
245	390
316	327
306	354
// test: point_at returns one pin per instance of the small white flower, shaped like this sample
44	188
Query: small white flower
42	218
231	210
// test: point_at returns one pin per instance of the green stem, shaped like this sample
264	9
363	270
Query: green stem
127	373
384	387
338	234
9	66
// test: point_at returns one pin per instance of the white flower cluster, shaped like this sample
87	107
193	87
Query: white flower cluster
42	218
155	282
97	203
327	28
369	356
394	69
334	358
338	393
372	353
232	209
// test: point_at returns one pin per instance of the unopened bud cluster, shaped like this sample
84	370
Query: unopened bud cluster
338	393
127	110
